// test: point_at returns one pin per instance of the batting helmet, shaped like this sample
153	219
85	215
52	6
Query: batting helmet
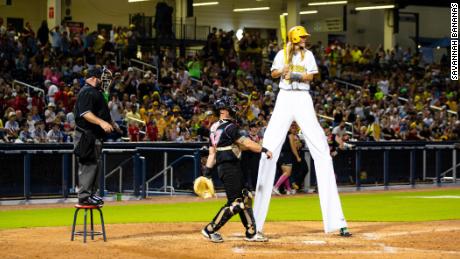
225	103
296	32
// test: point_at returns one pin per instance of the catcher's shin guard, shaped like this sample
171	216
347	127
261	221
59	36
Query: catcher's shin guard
247	215
224	215
247	218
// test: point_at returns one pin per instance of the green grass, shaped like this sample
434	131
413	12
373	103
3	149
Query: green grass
379	206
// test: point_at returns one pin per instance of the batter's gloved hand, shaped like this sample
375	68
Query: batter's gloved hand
204	187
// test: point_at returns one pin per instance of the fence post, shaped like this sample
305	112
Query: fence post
143	174
197	163
412	168
358	169
438	167
136	170
27	176
454	164
102	170
386	165
65	175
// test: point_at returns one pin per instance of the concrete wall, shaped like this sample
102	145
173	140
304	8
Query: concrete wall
33	11
116	12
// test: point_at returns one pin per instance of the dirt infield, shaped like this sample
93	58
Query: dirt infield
437	239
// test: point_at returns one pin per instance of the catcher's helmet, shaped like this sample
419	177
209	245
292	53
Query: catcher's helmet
296	32
225	103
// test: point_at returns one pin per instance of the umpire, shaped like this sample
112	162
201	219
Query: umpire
93	122
225	141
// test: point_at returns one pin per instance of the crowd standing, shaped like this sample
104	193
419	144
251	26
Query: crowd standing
396	94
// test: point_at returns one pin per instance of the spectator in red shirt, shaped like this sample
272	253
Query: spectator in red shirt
133	131
62	95
151	133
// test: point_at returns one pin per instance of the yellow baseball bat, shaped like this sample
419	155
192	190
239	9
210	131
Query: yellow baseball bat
283	36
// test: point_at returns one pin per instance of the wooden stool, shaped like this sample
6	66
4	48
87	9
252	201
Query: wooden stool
85	233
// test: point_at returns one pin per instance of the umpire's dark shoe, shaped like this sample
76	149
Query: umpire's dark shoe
98	199
345	233
213	237
89	201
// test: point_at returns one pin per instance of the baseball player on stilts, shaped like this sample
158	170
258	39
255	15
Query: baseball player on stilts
294	103
225	139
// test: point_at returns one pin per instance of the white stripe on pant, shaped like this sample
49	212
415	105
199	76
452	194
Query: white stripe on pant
298	106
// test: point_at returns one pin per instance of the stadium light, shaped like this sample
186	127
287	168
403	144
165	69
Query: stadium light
205	3
364	8
328	3
309	12
251	9
304	12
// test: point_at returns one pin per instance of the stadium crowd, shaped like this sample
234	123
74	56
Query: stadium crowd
395	95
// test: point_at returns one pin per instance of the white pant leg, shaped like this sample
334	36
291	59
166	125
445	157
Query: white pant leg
273	140
331	208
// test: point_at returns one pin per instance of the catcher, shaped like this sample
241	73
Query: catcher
225	141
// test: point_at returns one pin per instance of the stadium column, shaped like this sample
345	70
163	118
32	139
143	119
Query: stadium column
184	14
388	37
293	9
53	13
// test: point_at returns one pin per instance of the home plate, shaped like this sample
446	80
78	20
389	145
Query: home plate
314	242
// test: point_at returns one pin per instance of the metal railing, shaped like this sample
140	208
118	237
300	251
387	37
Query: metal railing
441	176
144	65
164	173
440	109
346	123
348	84
119	168
170	167
16	82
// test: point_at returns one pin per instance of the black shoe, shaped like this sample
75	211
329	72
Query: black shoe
88	201
98	199
345	233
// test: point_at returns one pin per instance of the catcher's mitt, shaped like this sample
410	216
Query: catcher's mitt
204	187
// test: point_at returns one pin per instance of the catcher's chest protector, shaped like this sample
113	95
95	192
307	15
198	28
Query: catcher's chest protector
223	134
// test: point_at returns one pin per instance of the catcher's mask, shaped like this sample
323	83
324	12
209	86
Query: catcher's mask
225	103
296	32
106	78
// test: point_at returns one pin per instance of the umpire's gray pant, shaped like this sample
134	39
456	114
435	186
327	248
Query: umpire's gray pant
88	173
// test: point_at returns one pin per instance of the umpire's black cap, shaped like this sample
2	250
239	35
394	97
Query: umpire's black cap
97	72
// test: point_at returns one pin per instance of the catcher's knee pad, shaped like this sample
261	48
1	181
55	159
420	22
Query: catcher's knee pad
224	214
247	218
247	198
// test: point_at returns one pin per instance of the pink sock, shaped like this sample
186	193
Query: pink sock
280	181
287	184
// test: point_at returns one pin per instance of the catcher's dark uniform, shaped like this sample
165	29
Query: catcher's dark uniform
286	156
250	165
224	134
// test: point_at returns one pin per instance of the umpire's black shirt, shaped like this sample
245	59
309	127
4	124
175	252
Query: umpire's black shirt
90	99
